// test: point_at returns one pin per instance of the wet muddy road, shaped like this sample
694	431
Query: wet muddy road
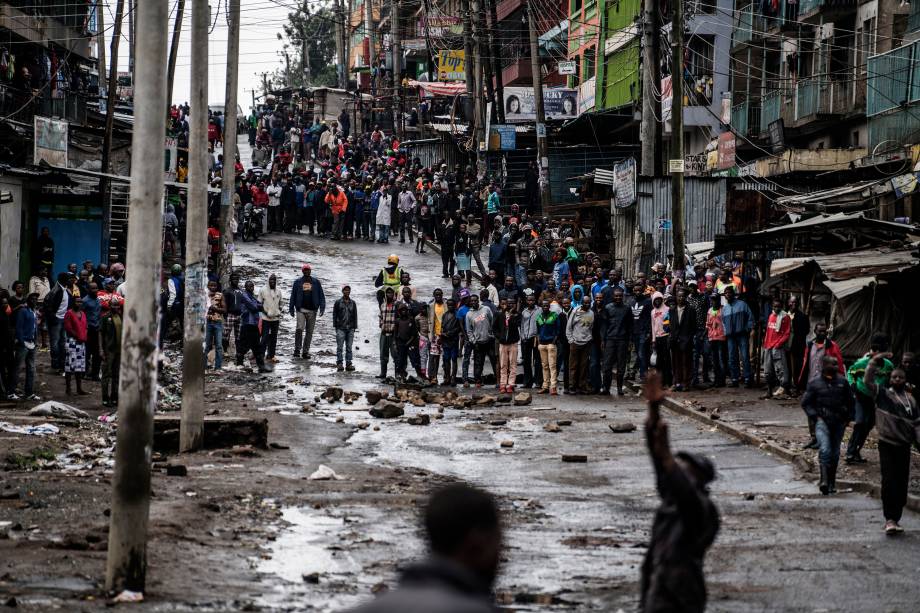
576	533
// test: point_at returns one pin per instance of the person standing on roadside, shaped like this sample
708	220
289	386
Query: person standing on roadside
508	333
451	330
307	300
75	329
436	311
682	320
110	346
641	307
250	308
93	308
579	331
616	330
738	321
232	305
26	335
345	322
387	326
270	298
686	523
405	205
660	359
57	304
865	396
479	333
547	335
530	354
715	337
214	326
898	419
338	204
828	400
776	339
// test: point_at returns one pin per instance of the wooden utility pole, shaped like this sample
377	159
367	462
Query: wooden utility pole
677	135
479	124
542	150
191	424
228	179
650	128
126	563
496	62
132	32
369	32
104	183
470	64
485	50
396	64
287	69
341	60
100	46
174	52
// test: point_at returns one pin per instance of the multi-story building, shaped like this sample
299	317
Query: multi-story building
805	78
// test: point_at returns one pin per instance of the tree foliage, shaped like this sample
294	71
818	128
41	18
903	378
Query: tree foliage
316	26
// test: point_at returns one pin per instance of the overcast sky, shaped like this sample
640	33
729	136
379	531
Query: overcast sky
259	47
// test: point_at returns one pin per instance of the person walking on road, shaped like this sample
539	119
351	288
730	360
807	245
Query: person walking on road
898	421
813	367
389	276
307	300
828	400
270	297
865	396
345	322
686	523
251	309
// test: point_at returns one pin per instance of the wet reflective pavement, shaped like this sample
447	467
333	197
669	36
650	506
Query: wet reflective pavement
575	533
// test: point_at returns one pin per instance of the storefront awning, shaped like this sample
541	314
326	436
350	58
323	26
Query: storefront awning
438	88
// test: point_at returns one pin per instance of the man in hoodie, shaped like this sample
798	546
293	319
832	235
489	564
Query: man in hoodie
738	322
813	366
641	307
479	333
828	400
616	330
580	332
464	534
307	300
661	333
338	203
533	369
548	331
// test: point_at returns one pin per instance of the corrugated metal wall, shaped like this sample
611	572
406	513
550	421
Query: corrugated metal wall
704	214
433	152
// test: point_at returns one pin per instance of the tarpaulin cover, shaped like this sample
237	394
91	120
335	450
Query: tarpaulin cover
440	89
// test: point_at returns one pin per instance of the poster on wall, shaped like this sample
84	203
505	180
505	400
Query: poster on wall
586	95
50	141
624	183
502	138
558	103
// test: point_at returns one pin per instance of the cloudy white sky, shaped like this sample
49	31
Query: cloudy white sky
261	20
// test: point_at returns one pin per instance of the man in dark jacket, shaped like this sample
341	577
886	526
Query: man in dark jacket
616	330
829	400
345	322
307	299
641	307
465	536
685	525
683	332
250	340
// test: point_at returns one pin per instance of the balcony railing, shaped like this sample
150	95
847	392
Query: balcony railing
771	108
749	24
746	118
822	96
23	106
825	8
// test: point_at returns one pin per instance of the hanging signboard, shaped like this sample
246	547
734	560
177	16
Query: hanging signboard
558	103
777	135
452	65
50	141
567	67
667	98
586	93
438	26
726	150
624	183
171	156
502	138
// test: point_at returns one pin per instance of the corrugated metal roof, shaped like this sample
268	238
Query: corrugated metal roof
602	176
827	194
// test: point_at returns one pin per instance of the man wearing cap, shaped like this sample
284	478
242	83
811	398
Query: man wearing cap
389	276
685	524
307	298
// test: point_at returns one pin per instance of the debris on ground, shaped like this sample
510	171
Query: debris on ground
574	457
311	578
350	397
52	408
522	399
507	444
333	394
39	430
374	396
486	400
622	427
564	422
324	473
129	596
498	422
176	470
422	419
389	410
552	427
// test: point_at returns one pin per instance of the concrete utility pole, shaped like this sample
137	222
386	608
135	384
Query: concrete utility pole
126	564
228	180
542	153
496	62
132	5
650	127
470	61
479	124
174	51
396	63
191	425
340	45
104	183
485	50
677	134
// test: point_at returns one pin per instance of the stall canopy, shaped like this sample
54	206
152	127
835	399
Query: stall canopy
439	88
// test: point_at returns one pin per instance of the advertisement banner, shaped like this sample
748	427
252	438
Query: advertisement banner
452	65
586	95
50	141
502	138
439	26
624	183
558	103
726	150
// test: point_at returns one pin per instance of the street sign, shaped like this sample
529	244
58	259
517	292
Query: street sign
566	68
541	130
675	165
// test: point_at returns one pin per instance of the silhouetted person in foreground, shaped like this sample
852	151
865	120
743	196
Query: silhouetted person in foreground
465	543
685	525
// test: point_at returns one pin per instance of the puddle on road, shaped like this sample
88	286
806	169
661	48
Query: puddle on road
301	548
